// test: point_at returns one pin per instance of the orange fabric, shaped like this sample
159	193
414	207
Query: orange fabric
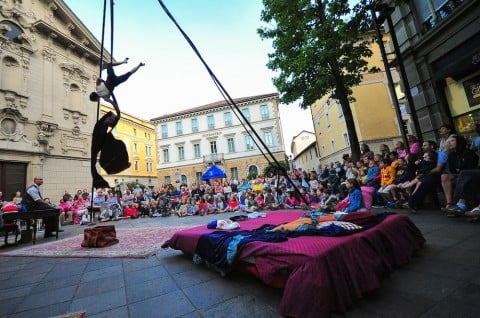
292	226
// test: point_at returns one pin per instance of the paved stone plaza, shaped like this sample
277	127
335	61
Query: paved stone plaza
443	280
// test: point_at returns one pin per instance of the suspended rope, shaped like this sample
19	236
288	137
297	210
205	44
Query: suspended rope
244	121
102	49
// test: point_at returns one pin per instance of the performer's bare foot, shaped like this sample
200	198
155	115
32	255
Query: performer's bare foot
141	64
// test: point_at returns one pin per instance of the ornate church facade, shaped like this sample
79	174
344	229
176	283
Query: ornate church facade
48	64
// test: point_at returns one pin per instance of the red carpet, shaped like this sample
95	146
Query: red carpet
134	243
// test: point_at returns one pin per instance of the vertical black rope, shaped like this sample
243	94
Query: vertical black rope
98	102
111	29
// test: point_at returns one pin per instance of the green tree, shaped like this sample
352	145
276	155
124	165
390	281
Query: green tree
272	169
318	50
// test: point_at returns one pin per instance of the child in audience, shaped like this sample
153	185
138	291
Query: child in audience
233	205
220	205
388	173
290	201
85	218
252	204
202	206
424	167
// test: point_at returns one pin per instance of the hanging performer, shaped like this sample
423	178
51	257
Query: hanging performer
104	89
113	152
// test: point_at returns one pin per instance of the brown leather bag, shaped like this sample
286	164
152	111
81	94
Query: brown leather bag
100	236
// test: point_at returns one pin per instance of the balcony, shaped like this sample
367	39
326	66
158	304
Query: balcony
213	158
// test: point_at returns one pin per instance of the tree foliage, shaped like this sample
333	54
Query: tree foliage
319	50
272	169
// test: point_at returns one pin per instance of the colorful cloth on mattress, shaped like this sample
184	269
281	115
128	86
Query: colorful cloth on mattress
220	248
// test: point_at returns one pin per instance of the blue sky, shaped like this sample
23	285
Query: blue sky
174	78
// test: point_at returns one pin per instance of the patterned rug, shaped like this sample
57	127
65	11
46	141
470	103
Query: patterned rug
134	243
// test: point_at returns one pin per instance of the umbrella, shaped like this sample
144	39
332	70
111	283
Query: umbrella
213	172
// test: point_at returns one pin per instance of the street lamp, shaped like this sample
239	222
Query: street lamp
384	13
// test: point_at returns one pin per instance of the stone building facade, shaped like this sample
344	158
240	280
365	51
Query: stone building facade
439	46
48	63
189	141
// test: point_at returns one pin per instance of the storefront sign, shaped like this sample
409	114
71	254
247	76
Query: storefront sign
472	90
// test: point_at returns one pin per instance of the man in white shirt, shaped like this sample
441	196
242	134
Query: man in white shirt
104	88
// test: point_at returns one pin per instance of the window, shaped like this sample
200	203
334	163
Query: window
164	131
149	167
253	170
249	142
246	113
135	164
345	138
196	150
211	122
327	118
134	132
431	12
339	110
11	31
234	172
213	146
168	180
264	112
332	142
268	137
231	145
135	147
181	153
166	156
75	97
198	177
194	125
228	118
179	127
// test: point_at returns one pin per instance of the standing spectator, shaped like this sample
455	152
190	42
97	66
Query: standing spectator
384	151
227	190
414	146
444	131
365	152
137	190
400	149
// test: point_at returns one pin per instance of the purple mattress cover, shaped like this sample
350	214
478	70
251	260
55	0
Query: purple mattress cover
325	274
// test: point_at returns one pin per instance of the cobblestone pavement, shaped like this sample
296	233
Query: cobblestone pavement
443	280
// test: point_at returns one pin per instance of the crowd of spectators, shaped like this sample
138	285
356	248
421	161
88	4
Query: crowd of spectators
398	178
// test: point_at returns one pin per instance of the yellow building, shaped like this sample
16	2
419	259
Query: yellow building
373	112
139	137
